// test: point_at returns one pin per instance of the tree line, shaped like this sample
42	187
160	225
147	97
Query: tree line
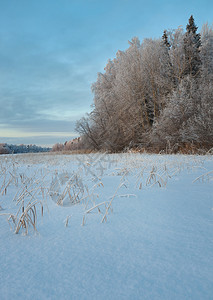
14	149
156	95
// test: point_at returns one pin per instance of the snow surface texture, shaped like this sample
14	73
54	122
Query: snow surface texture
157	243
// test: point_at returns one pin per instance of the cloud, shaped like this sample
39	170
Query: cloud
35	86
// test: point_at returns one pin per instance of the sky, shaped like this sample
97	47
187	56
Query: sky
52	50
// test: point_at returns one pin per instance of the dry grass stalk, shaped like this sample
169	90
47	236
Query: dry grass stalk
156	178
97	206
83	222
204	176
67	221
110	203
28	217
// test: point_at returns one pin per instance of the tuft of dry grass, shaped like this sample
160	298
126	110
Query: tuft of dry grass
67	189
25	217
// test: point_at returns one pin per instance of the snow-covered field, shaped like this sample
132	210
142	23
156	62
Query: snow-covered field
124	226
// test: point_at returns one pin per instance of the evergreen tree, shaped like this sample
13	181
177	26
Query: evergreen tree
167	70
165	39
192	44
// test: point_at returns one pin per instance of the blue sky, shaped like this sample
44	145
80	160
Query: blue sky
51	51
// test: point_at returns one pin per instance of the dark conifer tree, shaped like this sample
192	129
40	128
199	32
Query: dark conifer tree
165	39
192	44
167	68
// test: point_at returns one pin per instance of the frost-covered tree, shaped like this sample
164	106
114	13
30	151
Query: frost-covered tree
206	52
176	53
192	44
154	94
187	118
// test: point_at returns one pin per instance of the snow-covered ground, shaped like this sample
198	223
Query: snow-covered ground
150	237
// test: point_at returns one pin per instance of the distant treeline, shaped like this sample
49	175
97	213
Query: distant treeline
156	95
73	145
13	149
